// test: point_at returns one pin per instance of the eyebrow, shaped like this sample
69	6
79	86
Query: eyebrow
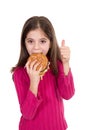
28	38
43	39
40	38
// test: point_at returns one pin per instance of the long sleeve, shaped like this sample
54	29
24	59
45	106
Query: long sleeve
43	112
28	102
65	83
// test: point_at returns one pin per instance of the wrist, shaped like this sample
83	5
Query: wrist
66	68
33	90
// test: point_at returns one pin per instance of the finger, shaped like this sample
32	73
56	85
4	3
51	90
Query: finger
37	66
63	43
32	64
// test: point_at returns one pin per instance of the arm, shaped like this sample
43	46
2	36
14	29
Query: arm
65	82
27	100
65	78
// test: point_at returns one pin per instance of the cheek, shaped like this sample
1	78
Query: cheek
28	49
46	49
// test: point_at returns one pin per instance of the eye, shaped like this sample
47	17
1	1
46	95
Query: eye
30	41
43	41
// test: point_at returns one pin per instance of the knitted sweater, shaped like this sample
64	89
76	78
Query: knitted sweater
46	111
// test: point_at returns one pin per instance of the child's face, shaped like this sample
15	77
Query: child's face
36	42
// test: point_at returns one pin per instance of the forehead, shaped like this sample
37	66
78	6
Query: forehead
36	32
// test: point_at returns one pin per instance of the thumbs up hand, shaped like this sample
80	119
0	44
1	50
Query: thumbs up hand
65	52
65	56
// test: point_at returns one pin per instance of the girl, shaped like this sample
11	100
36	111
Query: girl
41	101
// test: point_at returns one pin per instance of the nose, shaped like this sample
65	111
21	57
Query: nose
37	48
36	45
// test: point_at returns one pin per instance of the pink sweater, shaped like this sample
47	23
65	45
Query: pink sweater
46	111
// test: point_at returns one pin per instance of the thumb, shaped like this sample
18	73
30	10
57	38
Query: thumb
63	43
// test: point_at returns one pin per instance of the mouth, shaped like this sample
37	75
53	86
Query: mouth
37	51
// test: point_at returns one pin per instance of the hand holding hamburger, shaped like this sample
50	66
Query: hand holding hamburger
42	62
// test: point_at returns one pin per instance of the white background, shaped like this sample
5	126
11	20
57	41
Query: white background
69	18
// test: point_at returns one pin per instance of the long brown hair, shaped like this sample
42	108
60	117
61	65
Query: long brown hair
47	27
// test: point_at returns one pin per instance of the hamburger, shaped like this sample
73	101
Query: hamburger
42	59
